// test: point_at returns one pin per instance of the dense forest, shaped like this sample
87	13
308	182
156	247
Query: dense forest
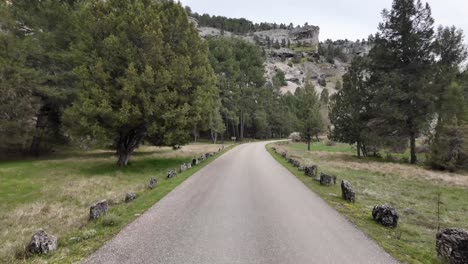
118	73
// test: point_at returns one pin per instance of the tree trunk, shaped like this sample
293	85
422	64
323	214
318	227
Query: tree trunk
308	144
241	132
359	149
214	136
123	159
126	143
414	158
41	125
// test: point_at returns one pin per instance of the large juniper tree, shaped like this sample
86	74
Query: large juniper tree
146	72
402	59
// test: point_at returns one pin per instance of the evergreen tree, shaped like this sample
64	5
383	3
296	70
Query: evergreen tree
18	106
402	59
53	29
308	113
146	74
324	96
350	108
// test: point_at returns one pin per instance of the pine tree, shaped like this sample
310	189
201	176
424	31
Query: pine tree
52	28
18	106
308	113
145	78
402	59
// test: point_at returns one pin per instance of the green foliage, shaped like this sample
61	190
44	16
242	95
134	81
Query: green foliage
18	105
402	59
308	113
239	67
53	30
350	108
147	76
279	80
324	96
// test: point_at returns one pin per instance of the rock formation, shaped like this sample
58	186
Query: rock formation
98	209
347	191
385	215
452	245
42	243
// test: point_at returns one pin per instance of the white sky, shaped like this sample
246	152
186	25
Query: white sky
337	19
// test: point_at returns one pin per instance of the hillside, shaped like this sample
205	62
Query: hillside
298	52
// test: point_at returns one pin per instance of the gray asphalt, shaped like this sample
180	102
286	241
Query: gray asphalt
242	208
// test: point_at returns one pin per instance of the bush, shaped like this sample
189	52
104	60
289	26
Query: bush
330	143
110	219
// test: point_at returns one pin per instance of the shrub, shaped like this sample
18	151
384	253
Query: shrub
110	219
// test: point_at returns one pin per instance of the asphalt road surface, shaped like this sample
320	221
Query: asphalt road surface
242	208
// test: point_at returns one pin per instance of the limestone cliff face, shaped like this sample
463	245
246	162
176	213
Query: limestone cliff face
307	35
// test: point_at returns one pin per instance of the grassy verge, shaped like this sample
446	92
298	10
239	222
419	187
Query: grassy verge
55	194
412	190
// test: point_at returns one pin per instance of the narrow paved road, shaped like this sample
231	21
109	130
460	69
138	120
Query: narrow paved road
242	208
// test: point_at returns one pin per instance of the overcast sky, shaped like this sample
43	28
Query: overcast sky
338	19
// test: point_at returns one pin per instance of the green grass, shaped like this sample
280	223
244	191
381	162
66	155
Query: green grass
55	194
413	241
322	146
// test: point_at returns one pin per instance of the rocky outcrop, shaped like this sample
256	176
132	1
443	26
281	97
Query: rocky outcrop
347	191
42	243
152	183
452	245
306	35
385	215
98	209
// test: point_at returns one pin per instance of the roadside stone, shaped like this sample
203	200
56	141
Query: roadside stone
42	243
152	183
301	168
452	245
195	162
385	215
327	180
311	171
347	191
130	196
171	174
98	209
188	165
284	154
183	167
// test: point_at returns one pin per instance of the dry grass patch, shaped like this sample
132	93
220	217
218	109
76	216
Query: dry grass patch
55	194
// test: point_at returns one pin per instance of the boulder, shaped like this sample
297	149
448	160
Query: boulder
152	183
385	215
130	196
183	167
452	245
188	165
171	174
284	154
195	162
311	171
42	243
296	163
98	209
301	168
327	180
347	191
